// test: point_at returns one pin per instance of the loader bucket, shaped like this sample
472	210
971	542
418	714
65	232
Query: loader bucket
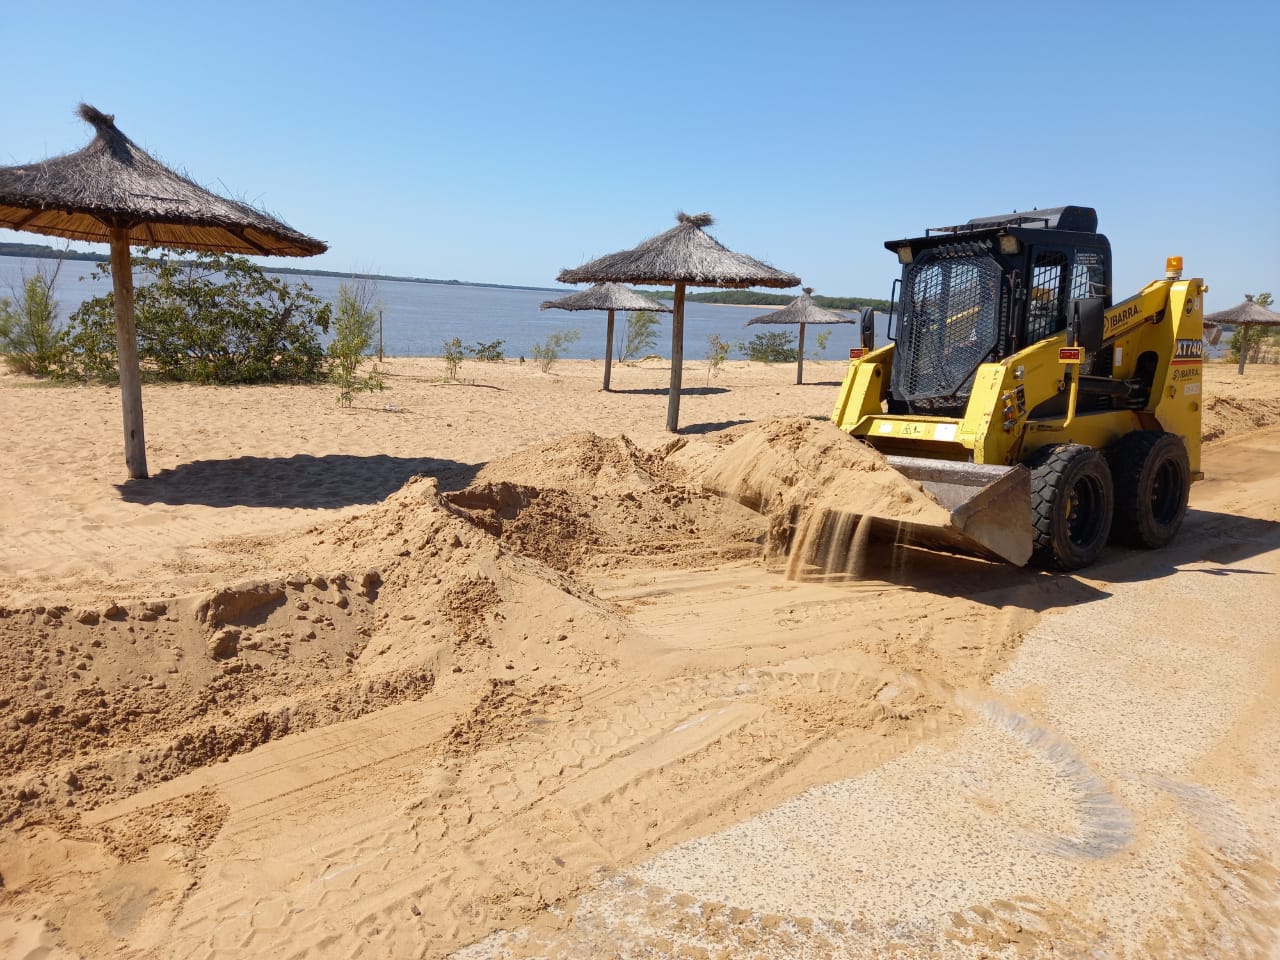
827	495
990	508
984	511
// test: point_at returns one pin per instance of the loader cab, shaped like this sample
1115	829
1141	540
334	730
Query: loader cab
980	291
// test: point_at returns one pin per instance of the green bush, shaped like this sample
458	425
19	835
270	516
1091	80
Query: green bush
490	352
210	319
30	338
640	337
355	324
776	346
454	353
821	339
717	354
548	352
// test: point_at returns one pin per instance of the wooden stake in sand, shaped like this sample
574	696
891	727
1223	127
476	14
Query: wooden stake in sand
113	192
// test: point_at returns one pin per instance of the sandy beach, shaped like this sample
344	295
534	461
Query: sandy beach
479	668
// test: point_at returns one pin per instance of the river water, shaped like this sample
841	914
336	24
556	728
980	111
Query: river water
418	318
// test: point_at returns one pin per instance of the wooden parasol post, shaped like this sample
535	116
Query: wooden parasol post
1244	347
800	357
135	444
608	352
677	360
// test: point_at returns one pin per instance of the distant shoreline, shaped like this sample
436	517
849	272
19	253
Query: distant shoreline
39	252
34	251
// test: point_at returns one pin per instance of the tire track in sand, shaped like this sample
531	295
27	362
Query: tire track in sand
498	835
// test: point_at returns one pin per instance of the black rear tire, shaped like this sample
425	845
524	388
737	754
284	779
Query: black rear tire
1153	481
1071	503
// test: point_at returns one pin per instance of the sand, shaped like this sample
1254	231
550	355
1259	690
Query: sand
500	668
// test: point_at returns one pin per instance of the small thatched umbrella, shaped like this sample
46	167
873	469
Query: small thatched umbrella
1245	315
683	256
113	192
611	297
802	310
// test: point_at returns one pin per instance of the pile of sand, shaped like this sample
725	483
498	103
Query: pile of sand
1230	415
373	609
587	501
369	611
815	483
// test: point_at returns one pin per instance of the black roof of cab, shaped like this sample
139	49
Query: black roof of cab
1072	218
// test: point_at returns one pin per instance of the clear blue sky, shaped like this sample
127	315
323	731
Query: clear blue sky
503	142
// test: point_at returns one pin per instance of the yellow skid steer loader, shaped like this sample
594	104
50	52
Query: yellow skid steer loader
1045	417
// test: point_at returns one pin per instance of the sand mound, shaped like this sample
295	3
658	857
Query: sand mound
584	463
589	501
101	702
1226	416
780	463
814	483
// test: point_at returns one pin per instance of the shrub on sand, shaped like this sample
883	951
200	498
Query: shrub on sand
355	322
548	352
454	353
30	338
641	335
717	354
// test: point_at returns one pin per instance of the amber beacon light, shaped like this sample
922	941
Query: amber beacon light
1173	268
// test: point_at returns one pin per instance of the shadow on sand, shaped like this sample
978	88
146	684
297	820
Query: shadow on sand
1206	537
934	573
301	481
697	429
664	391
1209	544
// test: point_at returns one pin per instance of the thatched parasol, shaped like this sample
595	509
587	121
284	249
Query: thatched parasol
611	297
683	256
1245	315
113	192
802	310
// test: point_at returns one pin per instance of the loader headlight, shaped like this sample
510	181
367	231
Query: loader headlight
1009	245
904	254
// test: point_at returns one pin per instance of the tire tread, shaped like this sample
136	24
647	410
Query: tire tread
1050	467
1132	523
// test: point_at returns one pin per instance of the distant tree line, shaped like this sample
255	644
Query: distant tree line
40	251
740	297
750	298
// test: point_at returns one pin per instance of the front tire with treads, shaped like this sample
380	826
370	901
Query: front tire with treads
1072	499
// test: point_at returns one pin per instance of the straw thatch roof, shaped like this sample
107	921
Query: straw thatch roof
1247	312
114	183
607	296
802	310
684	254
